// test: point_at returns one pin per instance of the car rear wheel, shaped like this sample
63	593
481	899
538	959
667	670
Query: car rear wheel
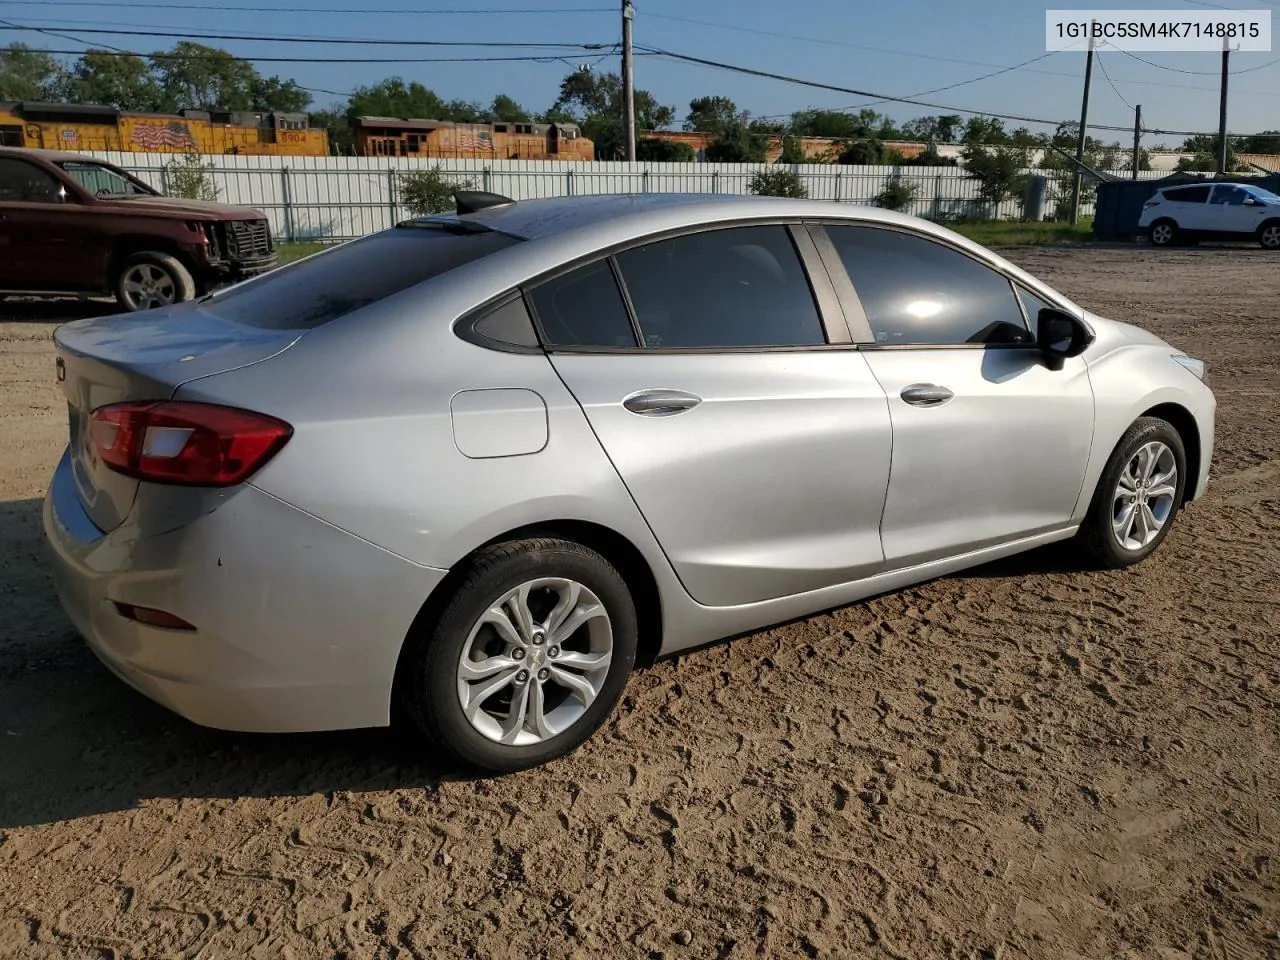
1269	235
525	659
1164	233
1137	496
149	280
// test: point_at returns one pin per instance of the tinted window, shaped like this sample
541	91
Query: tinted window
916	291
314	291
1229	195
22	182
1033	305
743	287
1188	194
509	323
584	308
100	180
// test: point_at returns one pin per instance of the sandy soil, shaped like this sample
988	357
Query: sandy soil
1022	761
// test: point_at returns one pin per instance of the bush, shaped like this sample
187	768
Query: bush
664	151
792	151
858	152
777	183
896	195
429	191
190	178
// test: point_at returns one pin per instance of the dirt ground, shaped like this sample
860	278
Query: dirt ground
1021	761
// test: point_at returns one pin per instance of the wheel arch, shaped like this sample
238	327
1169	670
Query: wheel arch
130	245
1182	420
613	546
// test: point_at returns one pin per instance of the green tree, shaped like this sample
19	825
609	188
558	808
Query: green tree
712	114
124	82
792	151
988	130
426	192
333	121
777	182
272	93
929	157
865	150
895	194
737	143
663	151
944	129
594	101
26	74
394	97
189	177
198	77
504	109
1266	142
998	170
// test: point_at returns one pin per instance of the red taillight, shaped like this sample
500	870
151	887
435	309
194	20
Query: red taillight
200	444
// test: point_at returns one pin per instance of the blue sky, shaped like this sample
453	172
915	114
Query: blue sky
1180	94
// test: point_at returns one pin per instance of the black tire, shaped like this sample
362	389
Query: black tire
1269	235
1096	539
174	283
1161	238
427	681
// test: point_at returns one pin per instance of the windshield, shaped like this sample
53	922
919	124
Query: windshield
1261	194
102	181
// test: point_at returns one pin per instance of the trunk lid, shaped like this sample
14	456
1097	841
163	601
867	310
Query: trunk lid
130	357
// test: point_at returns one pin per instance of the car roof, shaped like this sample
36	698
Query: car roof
639	214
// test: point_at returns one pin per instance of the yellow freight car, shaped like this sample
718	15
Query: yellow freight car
67	126
400	137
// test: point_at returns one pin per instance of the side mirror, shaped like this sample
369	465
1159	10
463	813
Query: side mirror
1060	336
1252	202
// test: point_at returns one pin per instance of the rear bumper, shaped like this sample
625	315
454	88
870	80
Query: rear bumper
298	624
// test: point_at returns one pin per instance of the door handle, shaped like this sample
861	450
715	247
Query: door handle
926	394
660	403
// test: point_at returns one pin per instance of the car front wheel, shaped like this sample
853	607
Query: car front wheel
525	659
1137	496
149	280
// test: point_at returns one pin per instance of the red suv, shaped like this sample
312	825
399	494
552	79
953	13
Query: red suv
70	224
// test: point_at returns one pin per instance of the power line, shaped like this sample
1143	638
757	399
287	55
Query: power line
400	11
258	38
751	71
527	58
1103	67
1162	66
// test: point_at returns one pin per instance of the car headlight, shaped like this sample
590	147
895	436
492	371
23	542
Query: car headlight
1191	363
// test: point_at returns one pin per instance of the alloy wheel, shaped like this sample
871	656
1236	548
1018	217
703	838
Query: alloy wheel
535	661
1271	237
1161	234
1143	499
147	286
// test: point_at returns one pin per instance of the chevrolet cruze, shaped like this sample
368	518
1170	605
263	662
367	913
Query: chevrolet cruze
470	470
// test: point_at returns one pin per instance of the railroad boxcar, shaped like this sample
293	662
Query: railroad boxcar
401	137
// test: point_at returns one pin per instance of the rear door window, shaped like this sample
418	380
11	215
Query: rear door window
315	291
1188	194
584	308
737	287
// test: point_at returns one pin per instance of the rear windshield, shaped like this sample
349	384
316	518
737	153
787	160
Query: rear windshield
312	292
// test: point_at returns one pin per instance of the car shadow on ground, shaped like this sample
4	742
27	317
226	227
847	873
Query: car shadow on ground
75	741
1054	558
60	310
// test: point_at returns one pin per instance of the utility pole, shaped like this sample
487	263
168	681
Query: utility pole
1222	110
1080	140
628	85
1137	138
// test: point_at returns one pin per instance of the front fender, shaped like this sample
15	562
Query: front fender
1131	380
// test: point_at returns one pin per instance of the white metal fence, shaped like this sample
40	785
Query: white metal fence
333	198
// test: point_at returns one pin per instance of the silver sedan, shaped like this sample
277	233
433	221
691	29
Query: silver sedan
470	470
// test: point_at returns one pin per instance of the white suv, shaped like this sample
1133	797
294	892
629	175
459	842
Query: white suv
1212	211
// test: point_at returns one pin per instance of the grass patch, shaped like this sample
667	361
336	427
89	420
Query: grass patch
289	252
1019	233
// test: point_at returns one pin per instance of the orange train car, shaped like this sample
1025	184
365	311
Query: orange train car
68	126
401	137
